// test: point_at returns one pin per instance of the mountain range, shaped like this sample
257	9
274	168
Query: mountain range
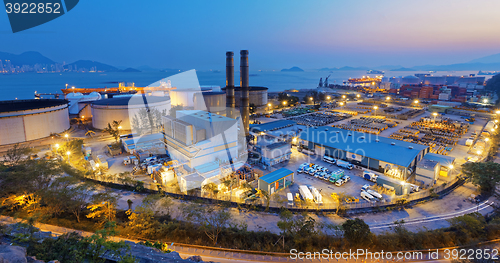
487	63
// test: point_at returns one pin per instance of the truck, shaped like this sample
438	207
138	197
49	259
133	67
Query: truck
130	160
290	199
305	193
368	197
316	195
344	164
374	194
336	175
370	176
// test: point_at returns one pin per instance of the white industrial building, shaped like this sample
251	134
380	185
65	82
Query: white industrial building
206	143
27	120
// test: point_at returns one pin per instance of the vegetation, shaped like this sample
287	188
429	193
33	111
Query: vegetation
493	84
114	129
173	111
485	175
147	120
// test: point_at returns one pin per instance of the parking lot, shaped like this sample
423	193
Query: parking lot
351	188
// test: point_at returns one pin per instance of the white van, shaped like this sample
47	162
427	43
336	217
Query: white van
328	159
367	196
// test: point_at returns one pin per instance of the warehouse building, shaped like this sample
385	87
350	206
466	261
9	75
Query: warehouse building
427	172
275	181
394	158
275	153
27	120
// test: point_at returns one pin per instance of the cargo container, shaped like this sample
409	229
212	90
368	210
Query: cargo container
400	187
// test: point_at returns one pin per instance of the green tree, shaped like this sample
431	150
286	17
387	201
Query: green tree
468	227
174	109
147	120
114	129
17	154
485	175
296	226
103	207
356	231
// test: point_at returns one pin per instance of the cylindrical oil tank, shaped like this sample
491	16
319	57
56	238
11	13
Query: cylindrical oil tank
27	120
124	109
212	101
258	96
185	97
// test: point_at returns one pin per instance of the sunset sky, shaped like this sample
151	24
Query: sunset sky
279	34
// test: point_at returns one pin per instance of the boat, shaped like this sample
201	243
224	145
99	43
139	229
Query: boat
372	71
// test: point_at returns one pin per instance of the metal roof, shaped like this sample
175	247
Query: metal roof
369	145
276	175
20	105
133	100
272	125
443	160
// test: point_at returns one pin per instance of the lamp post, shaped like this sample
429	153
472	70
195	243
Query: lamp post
66	136
416	102
388	98
311	99
435	114
269	106
375	108
341	104
68	153
284	103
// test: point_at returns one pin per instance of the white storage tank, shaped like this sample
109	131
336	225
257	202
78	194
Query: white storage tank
125	108
27	120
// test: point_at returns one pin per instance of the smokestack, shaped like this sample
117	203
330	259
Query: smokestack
245	90
230	100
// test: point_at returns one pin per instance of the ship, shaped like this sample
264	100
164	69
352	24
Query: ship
372	71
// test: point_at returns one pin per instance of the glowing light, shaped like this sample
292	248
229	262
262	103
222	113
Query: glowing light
358	95
311	98
486	139
485	101
497	112
328	97
57	145
451	166
73	87
343	96
387	98
341	104
119	127
269	104
375	107
83	117
284	102
66	135
68	153
435	113
97	165
415	101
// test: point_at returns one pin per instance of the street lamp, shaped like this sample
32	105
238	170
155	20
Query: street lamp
68	153
343	96
328	97
497	112
269	106
486	139
388	98
66	136
434	114
375	107
357	95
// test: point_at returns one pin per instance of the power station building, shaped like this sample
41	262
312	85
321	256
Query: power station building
205	144
125	109
27	120
394	158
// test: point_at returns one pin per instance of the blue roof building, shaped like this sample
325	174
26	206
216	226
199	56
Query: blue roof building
274	181
395	158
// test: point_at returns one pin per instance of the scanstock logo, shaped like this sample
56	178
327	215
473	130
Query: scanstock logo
26	14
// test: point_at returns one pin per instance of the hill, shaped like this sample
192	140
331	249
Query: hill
292	69
495	58
88	64
130	70
27	58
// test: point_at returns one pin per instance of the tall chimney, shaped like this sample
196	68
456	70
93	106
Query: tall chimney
230	100
245	90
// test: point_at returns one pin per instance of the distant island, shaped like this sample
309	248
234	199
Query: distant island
130	70
292	69
403	69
